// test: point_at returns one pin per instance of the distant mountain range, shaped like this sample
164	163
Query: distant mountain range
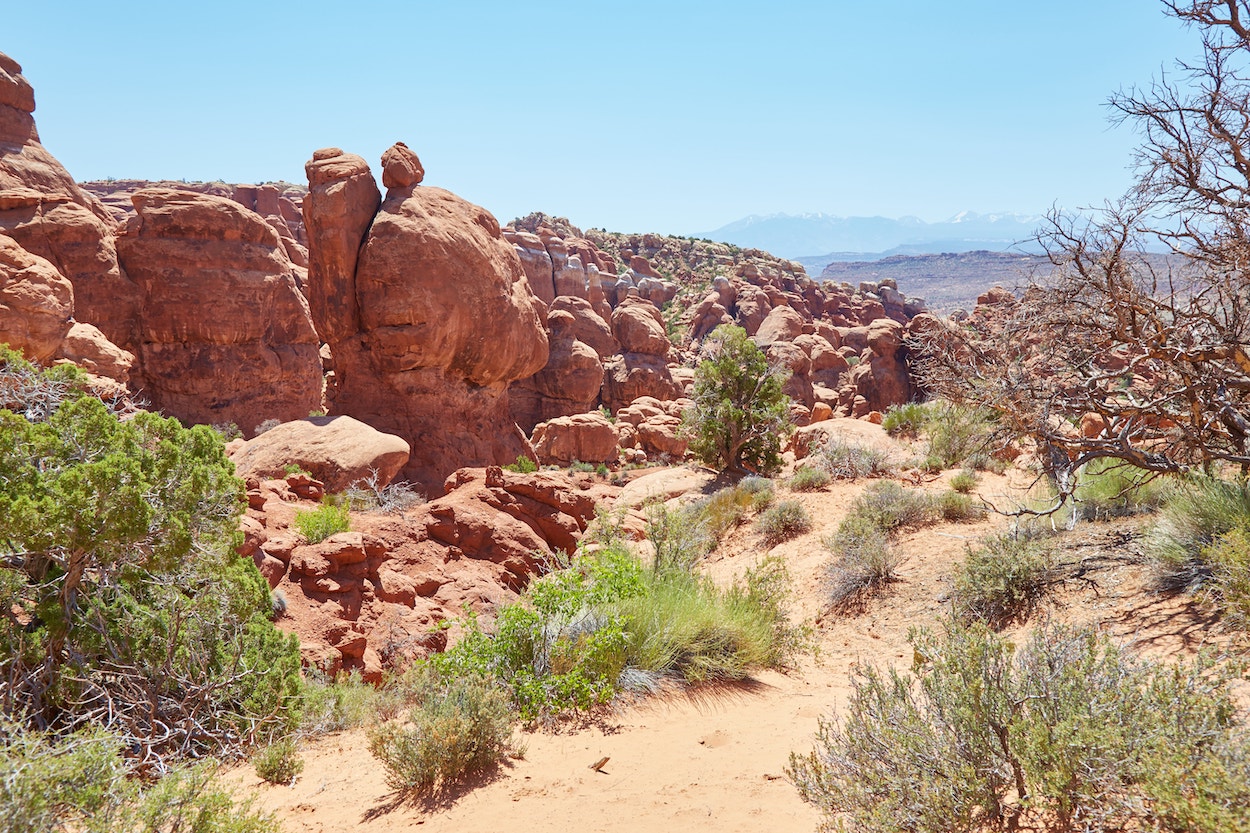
819	239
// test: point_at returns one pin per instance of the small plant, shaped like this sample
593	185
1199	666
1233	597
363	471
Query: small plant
459	727
1003	578
317	412
955	506
1110	489
889	507
965	481
809	479
322	522
279	762
267	425
956	433
228	430
1196	513
296	470
523	465
578	466
905	420
391	499
845	460
729	507
346	702
783	521
1066	733
602	470
864	562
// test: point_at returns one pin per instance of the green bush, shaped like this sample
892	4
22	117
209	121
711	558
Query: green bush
1003	578
905	420
965	481
126	603
728	507
346	702
320	523
955	506
1067	733
1196	513
279	762
863	562
1107	488
80	782
459	727
680	536
523	465
1229	557
845	460
958	435
783	521
809	479
889	507
740	414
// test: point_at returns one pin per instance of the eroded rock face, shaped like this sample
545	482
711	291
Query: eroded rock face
586	438
50	216
36	302
438	317
226	335
568	384
86	346
339	451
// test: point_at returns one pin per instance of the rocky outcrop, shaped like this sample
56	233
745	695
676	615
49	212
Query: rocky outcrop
568	384
51	217
586	438
86	346
36	303
381	595
226	335
338	451
435	317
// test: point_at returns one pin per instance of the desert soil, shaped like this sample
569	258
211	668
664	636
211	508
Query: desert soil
715	759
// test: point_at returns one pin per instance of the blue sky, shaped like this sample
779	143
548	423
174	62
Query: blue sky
643	116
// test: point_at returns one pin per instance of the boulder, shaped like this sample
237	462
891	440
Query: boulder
568	384
639	327
631	375
400	167
588	326
336	450
781	324
226	333
36	302
586	438
86	346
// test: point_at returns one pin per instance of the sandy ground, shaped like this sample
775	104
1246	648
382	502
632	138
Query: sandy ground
714	760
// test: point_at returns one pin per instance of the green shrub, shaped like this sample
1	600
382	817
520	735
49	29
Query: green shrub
955	506
809	479
523	465
81	782
889	507
458	728
728	507
322	522
128	591
740	414
1065	734
346	702
279	762
845	460
1003	578
965	481
578	467
295	469
783	521
1196	513
680	536
905	420
1108	488
1229	557
956	433
863	563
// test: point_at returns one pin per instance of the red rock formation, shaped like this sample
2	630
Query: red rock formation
568	384
586	438
338	451
36	303
226	334
432	321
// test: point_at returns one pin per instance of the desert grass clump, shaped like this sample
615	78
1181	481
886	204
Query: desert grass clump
906	420
957	435
890	507
345	702
729	507
320	523
1003	578
965	481
1108	488
863	563
846	460
279	762
523	465
784	520
459	727
809	479
953	505
1065	733
1196	513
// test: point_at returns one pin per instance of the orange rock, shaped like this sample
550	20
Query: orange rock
36	302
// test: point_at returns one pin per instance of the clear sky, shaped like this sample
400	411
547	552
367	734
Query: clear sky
666	116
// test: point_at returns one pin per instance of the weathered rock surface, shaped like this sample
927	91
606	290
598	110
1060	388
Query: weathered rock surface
86	346
639	328
568	384
36	302
226	334
439	318
586	438
337	450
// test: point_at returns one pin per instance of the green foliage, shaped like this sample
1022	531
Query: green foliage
956	506
320	523
863	562
80	782
1108	488
846	460
740	414
809	479
728	507
906	420
889	507
965	481
680	536
1068	733
346	702
279	762
1196	513
958	435
295	469
783	521
1003	578
459	727
1229	557
121	584
523	465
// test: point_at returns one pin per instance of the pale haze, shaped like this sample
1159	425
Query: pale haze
672	117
